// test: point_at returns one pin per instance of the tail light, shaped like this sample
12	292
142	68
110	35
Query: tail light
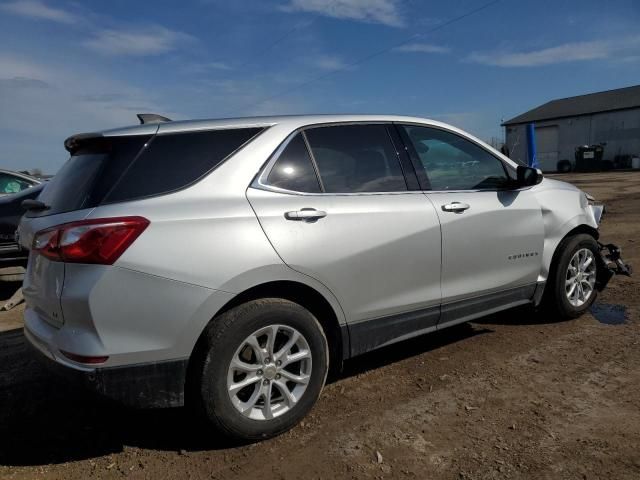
84	359
99	241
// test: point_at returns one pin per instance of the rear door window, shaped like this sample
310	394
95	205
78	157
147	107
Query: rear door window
356	158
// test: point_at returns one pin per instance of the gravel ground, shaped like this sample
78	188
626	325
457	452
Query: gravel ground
513	395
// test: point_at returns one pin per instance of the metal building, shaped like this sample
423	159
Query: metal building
610	119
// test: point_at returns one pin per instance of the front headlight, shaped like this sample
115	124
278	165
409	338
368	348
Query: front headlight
596	207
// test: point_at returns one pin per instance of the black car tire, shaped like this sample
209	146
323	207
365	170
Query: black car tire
219	344
564	166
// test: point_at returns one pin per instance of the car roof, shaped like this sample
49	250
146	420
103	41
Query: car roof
292	121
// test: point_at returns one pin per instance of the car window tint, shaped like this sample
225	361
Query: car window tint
10	184
356	158
173	161
89	174
454	163
294	170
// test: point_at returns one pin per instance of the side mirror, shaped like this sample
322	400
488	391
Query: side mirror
528	176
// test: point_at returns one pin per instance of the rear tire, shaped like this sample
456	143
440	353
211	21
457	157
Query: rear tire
571	290
252	344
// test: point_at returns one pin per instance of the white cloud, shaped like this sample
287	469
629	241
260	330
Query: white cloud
206	67
14	67
38	10
385	12
329	62
42	103
568	52
423	48
152	40
22	83
217	66
238	97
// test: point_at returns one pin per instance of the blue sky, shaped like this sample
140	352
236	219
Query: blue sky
68	66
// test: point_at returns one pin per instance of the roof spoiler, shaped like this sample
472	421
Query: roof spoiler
146	118
82	140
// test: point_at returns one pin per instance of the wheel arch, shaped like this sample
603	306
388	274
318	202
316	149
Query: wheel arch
577	230
582	228
555	235
337	334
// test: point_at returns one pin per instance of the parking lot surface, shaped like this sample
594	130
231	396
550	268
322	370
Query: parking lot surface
513	395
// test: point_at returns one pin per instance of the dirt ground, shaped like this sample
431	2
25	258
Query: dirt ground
513	395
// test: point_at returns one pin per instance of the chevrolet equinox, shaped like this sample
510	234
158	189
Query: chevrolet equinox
229	264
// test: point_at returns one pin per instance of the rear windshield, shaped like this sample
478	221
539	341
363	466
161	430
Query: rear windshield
83	179
133	167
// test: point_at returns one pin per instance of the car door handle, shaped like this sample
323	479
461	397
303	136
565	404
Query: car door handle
455	207
305	214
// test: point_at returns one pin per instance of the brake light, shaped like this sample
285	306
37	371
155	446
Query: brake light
97	241
83	358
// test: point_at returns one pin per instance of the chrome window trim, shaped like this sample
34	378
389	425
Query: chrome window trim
314	164
521	189
260	181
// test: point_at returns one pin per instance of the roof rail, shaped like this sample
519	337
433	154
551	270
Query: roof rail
151	118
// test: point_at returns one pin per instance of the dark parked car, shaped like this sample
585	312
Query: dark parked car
15	182
11	253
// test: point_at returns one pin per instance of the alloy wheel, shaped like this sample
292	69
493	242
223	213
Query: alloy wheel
580	278
269	372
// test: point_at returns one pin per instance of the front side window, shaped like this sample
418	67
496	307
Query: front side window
455	163
294	170
356	158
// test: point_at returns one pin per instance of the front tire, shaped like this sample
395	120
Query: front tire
260	369
571	289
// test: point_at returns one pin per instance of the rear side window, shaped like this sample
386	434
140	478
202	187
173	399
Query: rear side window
356	158
173	161
88	174
294	170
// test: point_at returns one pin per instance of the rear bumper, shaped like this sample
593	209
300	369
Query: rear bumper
147	385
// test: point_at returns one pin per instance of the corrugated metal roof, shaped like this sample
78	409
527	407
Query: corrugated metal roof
619	99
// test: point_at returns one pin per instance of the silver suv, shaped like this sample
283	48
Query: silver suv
230	264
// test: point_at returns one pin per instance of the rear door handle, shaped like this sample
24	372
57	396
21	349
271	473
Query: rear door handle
456	207
305	214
